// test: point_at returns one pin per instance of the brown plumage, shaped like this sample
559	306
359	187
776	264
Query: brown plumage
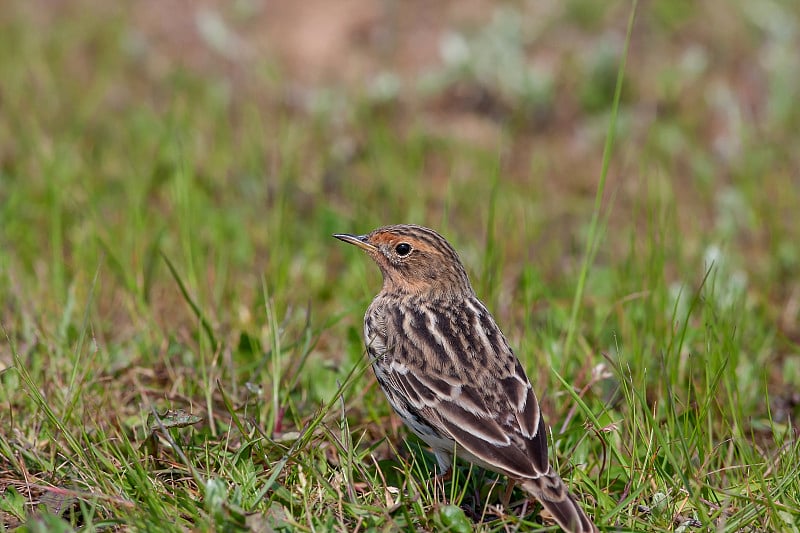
448	371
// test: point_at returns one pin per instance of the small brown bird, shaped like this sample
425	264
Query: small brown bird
448	371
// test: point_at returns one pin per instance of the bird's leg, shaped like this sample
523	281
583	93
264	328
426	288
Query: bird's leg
443	473
447	475
445	464
507	494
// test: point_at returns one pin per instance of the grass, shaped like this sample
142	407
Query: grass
182	337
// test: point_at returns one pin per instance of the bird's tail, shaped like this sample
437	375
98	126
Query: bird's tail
551	491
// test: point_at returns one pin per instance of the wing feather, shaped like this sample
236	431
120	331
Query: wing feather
485	402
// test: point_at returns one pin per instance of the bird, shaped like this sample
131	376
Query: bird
448	371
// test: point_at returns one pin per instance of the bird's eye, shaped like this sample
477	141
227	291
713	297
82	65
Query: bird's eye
403	249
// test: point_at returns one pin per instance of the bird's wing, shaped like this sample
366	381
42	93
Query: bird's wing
457	371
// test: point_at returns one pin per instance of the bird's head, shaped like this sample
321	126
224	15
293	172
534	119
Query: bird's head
414	260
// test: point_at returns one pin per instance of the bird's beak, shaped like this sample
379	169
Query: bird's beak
358	240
